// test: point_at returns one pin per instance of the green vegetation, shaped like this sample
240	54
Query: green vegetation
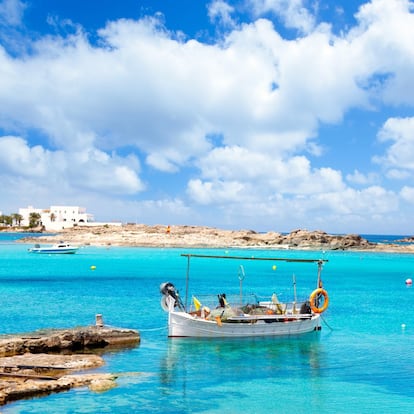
34	220
12	220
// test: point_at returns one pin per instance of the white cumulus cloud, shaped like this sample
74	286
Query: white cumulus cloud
238	119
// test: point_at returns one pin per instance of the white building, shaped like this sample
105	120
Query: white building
57	217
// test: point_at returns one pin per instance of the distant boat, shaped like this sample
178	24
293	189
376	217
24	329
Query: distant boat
60	248
244	318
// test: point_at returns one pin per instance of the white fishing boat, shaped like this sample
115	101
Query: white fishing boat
246	316
60	248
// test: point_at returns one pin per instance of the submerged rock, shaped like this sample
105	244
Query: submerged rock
27	369
102	384
29	375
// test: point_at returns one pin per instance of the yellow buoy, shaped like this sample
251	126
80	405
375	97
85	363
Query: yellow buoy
274	267
93	267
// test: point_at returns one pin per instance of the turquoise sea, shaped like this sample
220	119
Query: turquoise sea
361	362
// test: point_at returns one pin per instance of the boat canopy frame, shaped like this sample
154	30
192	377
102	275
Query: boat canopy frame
320	263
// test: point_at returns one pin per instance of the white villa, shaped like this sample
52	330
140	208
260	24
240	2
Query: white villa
58	217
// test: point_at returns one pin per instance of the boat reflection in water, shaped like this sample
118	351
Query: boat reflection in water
194	369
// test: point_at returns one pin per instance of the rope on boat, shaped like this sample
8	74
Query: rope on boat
326	323
154	329
142	330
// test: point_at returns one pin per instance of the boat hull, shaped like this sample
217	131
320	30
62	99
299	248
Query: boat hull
182	324
54	251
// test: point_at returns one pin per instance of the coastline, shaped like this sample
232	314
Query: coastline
182	236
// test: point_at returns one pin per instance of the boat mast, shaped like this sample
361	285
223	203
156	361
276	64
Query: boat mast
241	277
187	282
294	290
282	259
320	264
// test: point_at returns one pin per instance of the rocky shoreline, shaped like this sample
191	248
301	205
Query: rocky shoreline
141	235
43	362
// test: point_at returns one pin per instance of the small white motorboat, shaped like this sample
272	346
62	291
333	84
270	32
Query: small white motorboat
60	248
246	316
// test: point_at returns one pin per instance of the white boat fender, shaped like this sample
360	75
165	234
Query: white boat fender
205	312
164	304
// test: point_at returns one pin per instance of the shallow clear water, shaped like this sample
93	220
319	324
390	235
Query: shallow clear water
362	360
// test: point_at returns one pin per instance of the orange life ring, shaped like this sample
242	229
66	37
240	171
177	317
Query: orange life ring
312	300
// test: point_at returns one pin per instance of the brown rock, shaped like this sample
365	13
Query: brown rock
68	340
208	237
30	375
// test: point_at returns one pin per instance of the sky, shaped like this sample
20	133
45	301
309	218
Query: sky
269	115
